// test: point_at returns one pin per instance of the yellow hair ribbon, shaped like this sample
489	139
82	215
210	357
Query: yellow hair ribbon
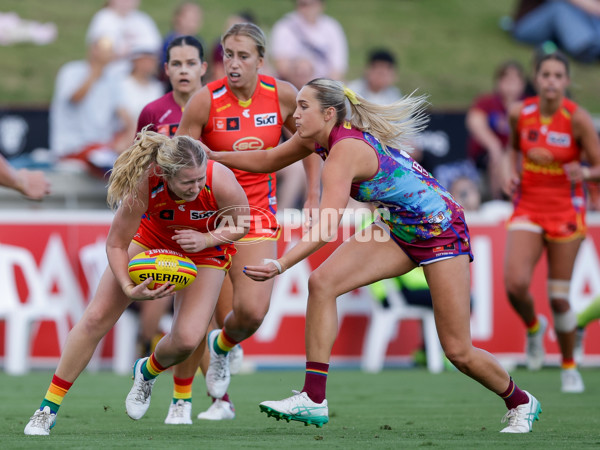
351	96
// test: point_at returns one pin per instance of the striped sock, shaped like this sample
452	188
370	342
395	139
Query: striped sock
513	396
55	394
315	381
224	343
533	327
151	368
568	363
182	389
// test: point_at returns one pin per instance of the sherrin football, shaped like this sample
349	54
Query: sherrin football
164	266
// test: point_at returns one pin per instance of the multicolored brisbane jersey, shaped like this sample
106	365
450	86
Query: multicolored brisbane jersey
165	215
546	144
163	113
255	124
415	206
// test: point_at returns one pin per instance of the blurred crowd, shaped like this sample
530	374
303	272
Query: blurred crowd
97	100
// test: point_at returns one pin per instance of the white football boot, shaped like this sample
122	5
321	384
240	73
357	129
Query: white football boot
180	413
40	423
298	407
571	381
236	359
217	375
521	418
535	346
219	410
138	399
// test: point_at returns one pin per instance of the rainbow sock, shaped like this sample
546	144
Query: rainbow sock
151	368
182	389
568	363
223	344
533	327
55	394
315	380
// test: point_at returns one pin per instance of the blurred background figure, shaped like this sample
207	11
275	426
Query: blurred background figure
139	88
489	129
84	122
308	32
125	27
573	25
187	20
15	30
377	84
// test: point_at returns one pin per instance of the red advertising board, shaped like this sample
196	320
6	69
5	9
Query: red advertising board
49	260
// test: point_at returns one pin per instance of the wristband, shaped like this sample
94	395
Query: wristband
585	173
275	263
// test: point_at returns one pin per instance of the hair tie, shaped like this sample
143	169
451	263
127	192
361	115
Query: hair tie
351	96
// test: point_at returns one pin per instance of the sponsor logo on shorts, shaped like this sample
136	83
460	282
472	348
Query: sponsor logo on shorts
444	248
248	143
559	139
265	120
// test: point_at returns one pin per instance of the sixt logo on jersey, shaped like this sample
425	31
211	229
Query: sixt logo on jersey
199	215
558	139
265	120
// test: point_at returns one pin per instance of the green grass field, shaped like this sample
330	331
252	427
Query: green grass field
447	48
394	409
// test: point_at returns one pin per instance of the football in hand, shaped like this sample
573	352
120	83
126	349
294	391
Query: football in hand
163	266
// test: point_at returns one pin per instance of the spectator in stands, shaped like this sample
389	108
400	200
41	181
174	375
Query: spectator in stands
378	81
122	24
139	88
30	183
488	127
187	20
574	25
84	123
308	32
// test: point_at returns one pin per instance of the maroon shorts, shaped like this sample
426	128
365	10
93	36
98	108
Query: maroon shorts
453	241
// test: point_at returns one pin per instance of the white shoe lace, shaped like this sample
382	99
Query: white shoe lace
178	410
220	365
512	416
144	391
40	420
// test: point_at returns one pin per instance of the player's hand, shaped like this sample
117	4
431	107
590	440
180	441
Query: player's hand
511	184
575	171
142	292
265	272
190	241
33	184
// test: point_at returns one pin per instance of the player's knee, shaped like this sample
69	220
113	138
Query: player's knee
185	343
251	318
516	286
459	355
318	282
564	322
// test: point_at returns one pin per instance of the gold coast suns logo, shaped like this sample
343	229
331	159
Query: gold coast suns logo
248	143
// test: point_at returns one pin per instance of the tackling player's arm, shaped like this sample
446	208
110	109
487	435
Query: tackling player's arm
195	115
512	178
586	136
